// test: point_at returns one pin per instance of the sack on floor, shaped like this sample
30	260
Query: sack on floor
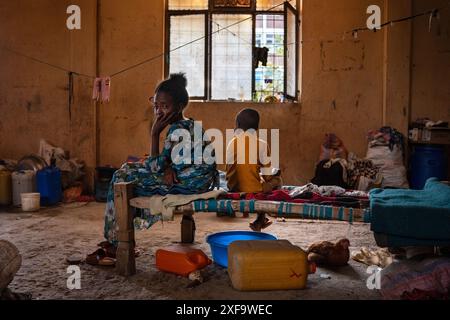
390	164
334	175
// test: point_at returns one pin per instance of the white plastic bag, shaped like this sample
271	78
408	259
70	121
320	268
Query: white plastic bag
390	164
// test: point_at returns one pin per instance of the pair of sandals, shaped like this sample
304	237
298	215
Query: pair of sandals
106	255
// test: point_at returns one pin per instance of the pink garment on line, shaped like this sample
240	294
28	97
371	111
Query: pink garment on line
96	94
102	89
106	89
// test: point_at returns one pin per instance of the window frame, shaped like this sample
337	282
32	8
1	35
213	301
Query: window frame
253	12
288	7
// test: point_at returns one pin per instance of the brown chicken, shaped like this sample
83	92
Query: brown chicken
326	253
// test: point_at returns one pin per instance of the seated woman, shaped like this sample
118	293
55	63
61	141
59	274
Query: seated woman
158	174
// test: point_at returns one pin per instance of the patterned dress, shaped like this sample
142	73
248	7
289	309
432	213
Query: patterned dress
148	176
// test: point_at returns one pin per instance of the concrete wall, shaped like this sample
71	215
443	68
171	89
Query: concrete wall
129	34
430	85
342	93
348	85
34	96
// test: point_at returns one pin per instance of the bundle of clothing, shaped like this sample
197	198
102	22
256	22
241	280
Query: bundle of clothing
72	170
362	174
416	279
386	151
338	167
309	194
386	136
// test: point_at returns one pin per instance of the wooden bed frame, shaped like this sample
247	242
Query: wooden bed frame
124	204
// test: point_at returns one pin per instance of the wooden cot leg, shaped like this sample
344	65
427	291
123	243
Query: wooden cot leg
125	260
188	228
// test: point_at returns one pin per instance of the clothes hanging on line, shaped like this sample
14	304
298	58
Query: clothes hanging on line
260	55
102	89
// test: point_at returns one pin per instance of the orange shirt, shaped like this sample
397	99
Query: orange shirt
246	155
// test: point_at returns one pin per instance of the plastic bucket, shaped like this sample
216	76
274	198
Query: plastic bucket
31	202
219	243
427	162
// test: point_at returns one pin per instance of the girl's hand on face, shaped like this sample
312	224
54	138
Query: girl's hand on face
170	177
162	121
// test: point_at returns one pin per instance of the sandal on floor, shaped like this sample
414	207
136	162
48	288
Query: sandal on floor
104	244
108	248
255	227
258	225
100	258
138	252
111	250
267	224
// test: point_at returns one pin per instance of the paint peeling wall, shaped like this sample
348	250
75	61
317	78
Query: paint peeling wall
342	80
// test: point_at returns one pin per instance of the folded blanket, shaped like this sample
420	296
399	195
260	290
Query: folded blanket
165	205
421	214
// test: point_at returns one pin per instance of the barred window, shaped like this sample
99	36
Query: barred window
235	50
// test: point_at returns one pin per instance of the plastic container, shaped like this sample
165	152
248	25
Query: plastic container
5	188
30	202
268	265
219	243
22	182
181	260
49	185
427	162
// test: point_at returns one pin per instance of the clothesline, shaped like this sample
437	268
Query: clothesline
137	64
47	63
432	13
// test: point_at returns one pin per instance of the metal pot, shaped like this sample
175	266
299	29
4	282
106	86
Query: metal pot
32	162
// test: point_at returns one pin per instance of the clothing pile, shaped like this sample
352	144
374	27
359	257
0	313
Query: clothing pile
331	172
72	170
309	194
338	167
362	174
386	136
386	151
416	279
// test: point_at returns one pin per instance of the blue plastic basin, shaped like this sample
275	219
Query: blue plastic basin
219	243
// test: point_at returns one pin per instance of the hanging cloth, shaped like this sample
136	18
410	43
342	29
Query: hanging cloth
102	89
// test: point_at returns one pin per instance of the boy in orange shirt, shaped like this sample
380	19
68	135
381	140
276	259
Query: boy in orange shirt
248	161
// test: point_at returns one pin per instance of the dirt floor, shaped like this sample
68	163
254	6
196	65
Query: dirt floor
45	239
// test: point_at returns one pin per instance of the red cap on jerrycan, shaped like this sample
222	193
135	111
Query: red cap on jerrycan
312	267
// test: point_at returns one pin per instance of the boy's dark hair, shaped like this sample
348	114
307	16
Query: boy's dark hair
248	119
175	86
